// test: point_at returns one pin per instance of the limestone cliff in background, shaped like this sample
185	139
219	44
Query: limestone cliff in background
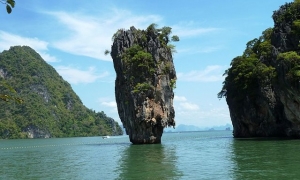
262	87
145	79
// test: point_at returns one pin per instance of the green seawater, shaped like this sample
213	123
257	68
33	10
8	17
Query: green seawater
190	155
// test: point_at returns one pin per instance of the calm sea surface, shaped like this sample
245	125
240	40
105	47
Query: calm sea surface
192	155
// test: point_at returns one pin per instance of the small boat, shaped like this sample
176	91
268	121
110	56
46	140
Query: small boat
105	137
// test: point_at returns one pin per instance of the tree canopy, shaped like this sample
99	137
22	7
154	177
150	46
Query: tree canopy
248	71
9	5
50	104
261	63
139	63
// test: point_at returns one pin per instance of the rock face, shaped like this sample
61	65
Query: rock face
145	78
35	132
262	87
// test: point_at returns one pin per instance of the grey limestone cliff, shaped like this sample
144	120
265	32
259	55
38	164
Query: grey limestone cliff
262	87
145	79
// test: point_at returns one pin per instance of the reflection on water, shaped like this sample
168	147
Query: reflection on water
195	155
61	158
31	163
154	161
266	159
184	156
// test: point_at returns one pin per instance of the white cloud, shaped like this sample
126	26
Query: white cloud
187	32
208	49
196	50
76	76
189	106
179	98
7	40
190	29
190	113
111	104
91	36
203	117
183	104
13	40
209	74
47	57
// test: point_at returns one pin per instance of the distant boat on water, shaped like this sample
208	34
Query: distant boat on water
105	137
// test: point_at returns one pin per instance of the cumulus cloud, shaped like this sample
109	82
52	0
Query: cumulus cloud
47	57
193	114
209	74
91	36
183	104
110	106
8	39
203	117
77	76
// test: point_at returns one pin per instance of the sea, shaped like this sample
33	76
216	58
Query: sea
186	155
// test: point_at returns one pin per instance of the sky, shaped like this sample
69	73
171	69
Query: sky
72	36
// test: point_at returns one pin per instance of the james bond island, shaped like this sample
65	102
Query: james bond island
262	87
145	79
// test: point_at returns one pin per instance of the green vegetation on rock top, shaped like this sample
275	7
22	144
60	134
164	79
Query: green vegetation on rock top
139	64
248	71
260	65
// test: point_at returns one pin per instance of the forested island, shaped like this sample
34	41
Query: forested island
41	103
262	86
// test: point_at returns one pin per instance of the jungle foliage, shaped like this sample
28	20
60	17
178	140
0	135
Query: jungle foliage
248	71
49	102
259	66
290	61
9	5
139	64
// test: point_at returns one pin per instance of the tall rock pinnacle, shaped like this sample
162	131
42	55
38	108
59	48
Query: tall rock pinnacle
145	79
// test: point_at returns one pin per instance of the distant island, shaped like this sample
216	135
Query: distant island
50	108
183	128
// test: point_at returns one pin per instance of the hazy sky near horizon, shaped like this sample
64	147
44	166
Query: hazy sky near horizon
73	35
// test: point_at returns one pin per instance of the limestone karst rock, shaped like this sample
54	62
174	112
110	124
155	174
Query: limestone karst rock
145	79
262	87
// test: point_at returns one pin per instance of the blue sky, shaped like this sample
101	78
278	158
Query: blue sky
73	35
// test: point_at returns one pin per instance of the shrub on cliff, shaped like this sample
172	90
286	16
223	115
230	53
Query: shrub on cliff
289	63
145	79
9	5
140	63
260	65
248	71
